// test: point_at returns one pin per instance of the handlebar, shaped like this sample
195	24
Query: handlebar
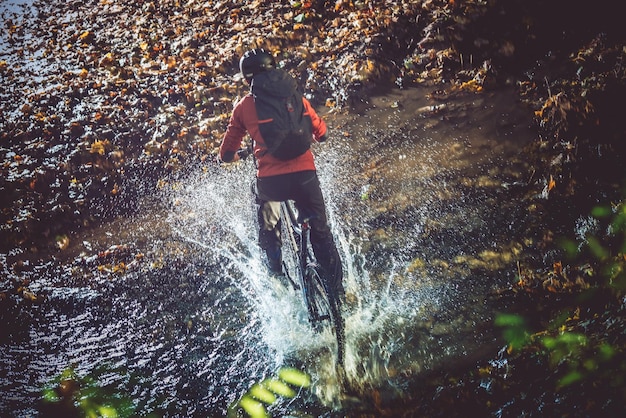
244	153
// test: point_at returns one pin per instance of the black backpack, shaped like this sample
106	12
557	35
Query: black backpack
286	130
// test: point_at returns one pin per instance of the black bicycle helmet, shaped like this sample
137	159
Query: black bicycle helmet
255	61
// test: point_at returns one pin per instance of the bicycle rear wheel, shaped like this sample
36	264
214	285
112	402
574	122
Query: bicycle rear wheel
316	300
324	309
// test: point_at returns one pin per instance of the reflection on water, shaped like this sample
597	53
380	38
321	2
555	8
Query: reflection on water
412	202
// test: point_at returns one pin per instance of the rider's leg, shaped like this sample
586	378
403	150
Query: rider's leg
310	201
268	214
269	233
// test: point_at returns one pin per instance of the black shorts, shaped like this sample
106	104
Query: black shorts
303	188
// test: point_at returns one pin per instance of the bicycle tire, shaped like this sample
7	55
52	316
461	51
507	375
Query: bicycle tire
316	300
324	309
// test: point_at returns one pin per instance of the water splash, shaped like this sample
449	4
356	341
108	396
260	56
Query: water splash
214	211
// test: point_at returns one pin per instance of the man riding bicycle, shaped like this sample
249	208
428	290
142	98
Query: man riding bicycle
279	180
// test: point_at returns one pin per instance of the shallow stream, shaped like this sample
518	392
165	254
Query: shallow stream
418	196
423	194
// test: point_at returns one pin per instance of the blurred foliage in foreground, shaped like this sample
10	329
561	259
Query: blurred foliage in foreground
268	392
606	243
573	355
104	392
574	348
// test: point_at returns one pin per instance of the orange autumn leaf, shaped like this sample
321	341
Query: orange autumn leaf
551	183
85	35
170	62
183	133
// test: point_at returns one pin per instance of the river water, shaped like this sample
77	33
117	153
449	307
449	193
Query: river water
419	200
423	196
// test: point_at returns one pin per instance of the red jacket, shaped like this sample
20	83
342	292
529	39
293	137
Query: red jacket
244	120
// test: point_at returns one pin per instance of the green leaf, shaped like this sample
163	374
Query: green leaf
606	351
570	247
253	407
571	377
300	18
590	364
573	338
596	248
262	394
279	388
509	320
68	374
619	223
516	337
295	377
601	212
49	395
612	269
619	282
107	411
549	343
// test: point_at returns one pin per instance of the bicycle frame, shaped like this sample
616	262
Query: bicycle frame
313	290
322	306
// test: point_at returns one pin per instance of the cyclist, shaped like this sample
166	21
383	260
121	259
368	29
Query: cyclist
278	180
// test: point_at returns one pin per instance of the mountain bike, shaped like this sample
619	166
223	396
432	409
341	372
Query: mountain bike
303	272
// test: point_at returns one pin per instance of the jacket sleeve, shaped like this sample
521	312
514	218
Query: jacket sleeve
233	137
319	126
